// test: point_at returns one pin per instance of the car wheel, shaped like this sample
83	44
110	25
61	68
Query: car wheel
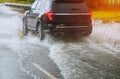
40	31
24	28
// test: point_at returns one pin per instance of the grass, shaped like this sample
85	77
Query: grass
21	2
1	2
107	16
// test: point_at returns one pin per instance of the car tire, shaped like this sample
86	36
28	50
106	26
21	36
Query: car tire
40	31
24	28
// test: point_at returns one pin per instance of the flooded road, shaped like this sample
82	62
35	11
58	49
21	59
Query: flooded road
93	57
22	58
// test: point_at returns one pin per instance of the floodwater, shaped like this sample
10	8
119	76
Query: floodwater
94	57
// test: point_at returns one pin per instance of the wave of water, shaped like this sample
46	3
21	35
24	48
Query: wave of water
92	57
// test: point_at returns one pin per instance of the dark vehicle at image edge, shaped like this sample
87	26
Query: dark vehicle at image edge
58	16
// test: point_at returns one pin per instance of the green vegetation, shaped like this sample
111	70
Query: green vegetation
18	1
107	16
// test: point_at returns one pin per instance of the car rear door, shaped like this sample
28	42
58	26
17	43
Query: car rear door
32	16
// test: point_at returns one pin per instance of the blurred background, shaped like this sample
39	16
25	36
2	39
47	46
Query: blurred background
104	4
93	4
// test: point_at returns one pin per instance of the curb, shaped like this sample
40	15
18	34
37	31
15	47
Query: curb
19	6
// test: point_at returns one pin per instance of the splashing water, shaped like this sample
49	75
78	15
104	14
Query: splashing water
93	57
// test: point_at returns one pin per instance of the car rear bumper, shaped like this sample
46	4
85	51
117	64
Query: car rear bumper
72	30
80	31
70	27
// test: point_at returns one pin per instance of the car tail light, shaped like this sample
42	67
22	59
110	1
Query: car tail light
50	15
91	16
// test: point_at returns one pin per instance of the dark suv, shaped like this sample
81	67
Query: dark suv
58	17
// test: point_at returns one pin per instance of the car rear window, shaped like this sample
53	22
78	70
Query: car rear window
69	7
